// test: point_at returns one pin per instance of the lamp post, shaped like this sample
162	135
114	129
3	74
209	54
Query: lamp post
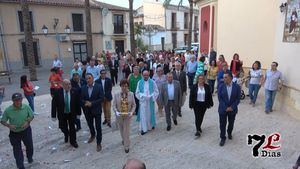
149	30
57	35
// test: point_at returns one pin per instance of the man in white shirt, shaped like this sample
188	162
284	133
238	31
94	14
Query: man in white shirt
56	62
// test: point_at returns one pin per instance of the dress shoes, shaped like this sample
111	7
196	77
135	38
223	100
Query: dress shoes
108	124
127	150
200	130
75	145
142	133
66	139
222	142
197	134
168	128
30	160
179	114
91	139
99	147
175	122
153	128
229	136
104	122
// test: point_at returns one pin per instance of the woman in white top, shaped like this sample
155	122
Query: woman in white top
256	79
200	101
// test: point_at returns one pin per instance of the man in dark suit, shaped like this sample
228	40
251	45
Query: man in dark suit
77	83
229	98
164	65
106	86
113	65
91	99
150	63
180	75
68	112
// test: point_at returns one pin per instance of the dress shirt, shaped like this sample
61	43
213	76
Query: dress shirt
171	91
201	94
229	90
90	89
57	63
94	71
103	83
192	67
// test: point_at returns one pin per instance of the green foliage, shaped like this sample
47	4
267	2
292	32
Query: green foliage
141	46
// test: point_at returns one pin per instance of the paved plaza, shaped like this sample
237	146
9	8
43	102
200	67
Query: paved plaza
159	149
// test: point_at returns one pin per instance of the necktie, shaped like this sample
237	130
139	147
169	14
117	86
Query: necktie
178	74
67	105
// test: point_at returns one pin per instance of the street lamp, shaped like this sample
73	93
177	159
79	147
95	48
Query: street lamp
45	30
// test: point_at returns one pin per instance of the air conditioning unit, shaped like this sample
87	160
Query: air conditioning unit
64	38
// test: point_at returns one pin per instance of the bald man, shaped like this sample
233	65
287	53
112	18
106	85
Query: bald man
69	109
134	164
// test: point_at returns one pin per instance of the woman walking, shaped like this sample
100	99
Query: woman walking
256	79
200	101
28	89
212	73
124	108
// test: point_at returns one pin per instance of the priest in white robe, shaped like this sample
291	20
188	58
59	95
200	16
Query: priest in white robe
147	93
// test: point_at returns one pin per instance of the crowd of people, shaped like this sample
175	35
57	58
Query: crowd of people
159	77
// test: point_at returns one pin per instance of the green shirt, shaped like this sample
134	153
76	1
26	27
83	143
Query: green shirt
17	116
133	81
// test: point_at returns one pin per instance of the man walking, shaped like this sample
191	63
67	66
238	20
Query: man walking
91	99
273	83
229	98
180	75
113	65
191	70
106	86
147	93
69	110
19	116
171	97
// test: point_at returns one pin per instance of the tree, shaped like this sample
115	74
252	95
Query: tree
28	40
131	26
138	32
89	37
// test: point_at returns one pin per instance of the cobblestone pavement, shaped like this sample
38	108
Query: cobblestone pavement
159	149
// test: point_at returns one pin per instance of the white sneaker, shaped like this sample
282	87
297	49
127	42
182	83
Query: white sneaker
35	113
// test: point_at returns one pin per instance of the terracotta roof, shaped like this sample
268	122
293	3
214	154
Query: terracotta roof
70	3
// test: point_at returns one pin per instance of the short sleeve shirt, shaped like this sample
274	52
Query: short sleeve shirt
17	116
272	79
255	76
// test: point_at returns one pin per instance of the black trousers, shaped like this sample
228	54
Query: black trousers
67	126
114	76
137	103
90	119
55	102
15	140
199	111
223	122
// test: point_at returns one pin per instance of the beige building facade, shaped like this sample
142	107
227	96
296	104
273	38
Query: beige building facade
255	29
56	16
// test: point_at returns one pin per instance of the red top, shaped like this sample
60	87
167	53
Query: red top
55	80
219	64
28	88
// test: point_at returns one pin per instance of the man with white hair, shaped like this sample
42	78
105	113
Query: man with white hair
147	93
191	70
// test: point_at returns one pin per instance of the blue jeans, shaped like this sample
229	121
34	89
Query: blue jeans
270	98
191	77
253	91
30	99
211	84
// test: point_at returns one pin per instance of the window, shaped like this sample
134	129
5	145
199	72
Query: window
185	39
196	26
118	24
173	21
77	22
20	16
35	53
174	40
80	50
186	20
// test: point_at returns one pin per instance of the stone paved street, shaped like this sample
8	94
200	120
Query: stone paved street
159	149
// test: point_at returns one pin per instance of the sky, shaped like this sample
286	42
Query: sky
136	3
